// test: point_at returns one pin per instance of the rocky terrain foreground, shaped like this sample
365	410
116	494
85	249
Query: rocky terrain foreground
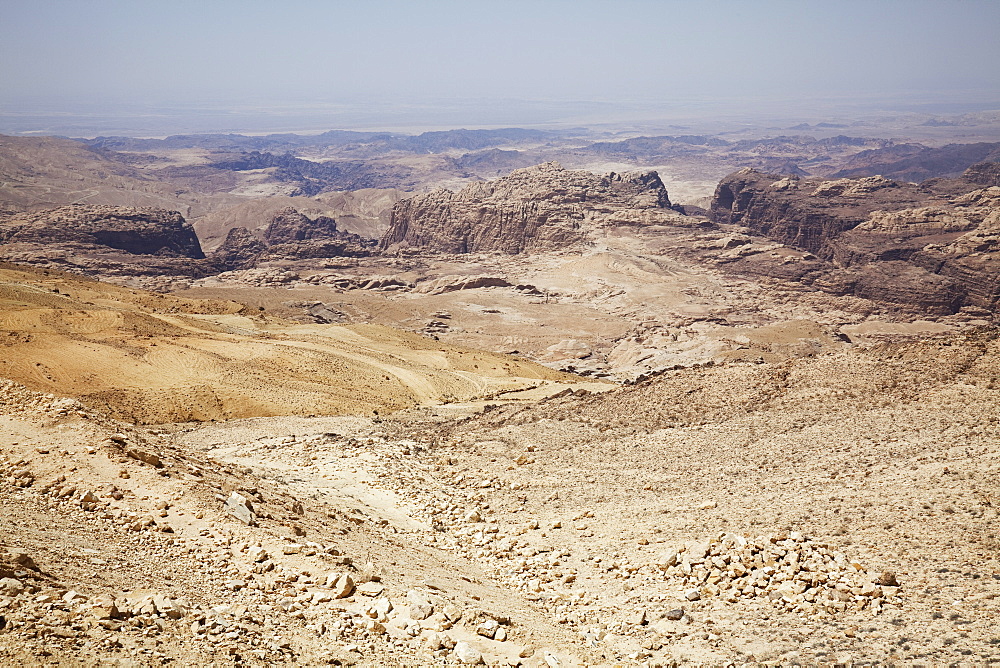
829	509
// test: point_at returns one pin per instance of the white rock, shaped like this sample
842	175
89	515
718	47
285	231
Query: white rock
240	508
667	559
257	554
74	597
466	654
488	628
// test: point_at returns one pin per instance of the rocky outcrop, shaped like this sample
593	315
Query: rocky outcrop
445	284
240	250
104	241
538	208
914	162
140	231
921	247
290	235
806	213
289	226
984	174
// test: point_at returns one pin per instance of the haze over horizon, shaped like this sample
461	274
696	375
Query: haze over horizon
241	64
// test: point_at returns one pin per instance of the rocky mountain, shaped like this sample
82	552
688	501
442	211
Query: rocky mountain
107	239
931	247
983	174
290	235
240	250
141	231
914	162
312	178
536	208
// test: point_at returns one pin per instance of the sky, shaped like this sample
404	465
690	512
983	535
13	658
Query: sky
301	52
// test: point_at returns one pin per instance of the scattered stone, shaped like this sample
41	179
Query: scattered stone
791	570
887	579
637	617
342	587
452	612
74	597
675	614
667	559
488	628
146	457
240	508
466	654
419	611
370	589
257	555
22	558
10	587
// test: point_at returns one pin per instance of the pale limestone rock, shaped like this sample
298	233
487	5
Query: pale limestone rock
240	508
466	654
343	586
488	628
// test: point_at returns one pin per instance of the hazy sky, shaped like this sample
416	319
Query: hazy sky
640	49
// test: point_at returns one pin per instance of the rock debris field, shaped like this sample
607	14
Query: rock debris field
828	510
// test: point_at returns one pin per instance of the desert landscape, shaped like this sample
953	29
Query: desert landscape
502	397
526	334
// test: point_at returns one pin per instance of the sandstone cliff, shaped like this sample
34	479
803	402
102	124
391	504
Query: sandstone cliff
111	240
533	209
291	235
143	231
930	247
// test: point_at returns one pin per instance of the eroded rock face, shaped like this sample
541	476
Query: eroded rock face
984	174
532	209
291	235
806	213
104	241
240	250
932	247
140	231
289	225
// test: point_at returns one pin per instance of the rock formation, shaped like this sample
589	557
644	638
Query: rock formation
140	231
931	246
291	235
240	250
111	240
533	209
288	225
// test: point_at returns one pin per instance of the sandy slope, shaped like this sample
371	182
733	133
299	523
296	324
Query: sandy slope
154	358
